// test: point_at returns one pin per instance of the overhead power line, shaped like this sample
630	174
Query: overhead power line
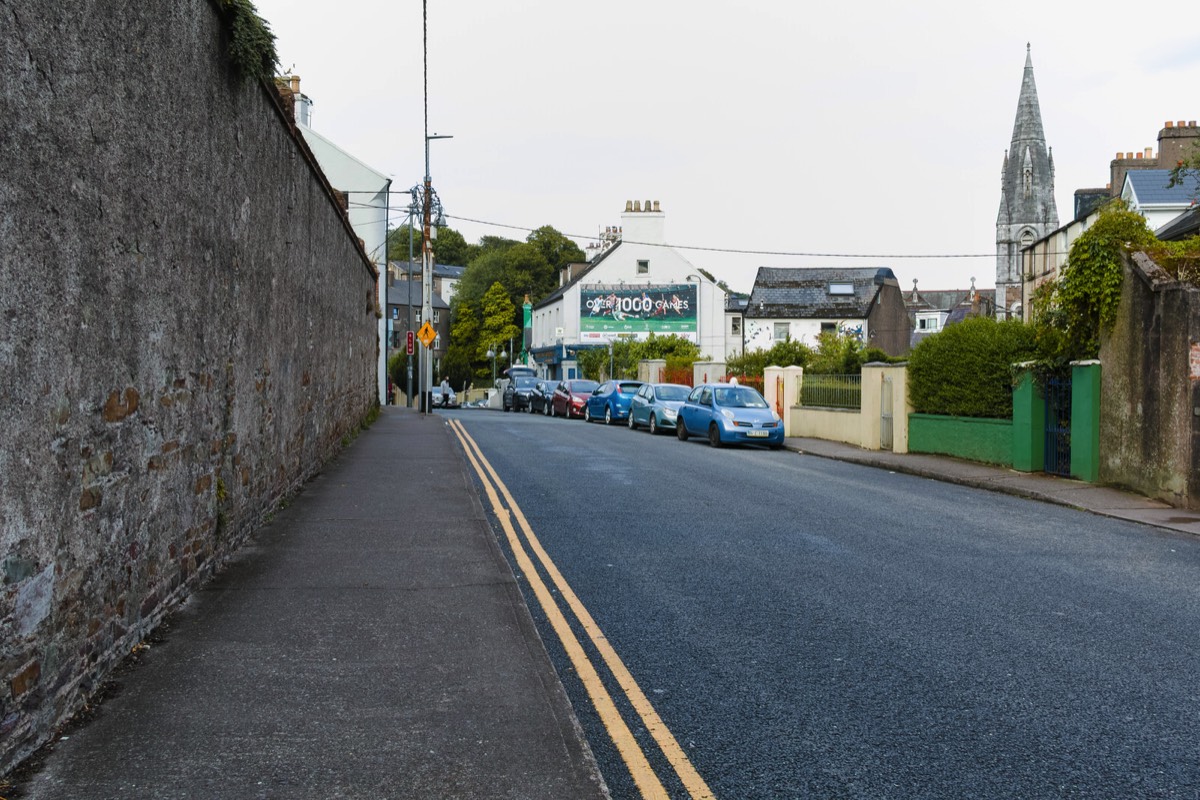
739	251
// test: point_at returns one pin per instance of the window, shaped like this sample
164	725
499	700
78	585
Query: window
735	326
782	331
395	313
927	324
643	268
828	327
435	316
841	288
418	318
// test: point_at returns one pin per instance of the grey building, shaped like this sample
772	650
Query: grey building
1027	208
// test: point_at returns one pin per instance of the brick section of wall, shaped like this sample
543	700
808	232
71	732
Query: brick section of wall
187	332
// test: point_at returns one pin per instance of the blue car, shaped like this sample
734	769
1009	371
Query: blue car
610	401
727	413
656	404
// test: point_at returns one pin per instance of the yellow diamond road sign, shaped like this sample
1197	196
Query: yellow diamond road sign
427	334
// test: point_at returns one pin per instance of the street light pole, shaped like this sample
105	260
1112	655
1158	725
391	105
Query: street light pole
427	272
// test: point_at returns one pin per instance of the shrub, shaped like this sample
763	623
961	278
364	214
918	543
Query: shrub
781	354
965	370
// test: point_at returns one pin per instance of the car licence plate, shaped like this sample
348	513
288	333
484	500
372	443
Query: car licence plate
758	434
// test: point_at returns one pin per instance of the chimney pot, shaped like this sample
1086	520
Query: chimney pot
1169	124
647	206
1191	123
656	208
1179	124
295	81
1119	155
628	206
1149	152
1137	155
1129	155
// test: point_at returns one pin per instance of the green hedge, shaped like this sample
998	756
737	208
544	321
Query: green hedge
965	370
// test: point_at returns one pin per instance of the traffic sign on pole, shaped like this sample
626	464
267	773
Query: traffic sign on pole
410	345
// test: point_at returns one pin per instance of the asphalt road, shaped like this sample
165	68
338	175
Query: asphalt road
810	628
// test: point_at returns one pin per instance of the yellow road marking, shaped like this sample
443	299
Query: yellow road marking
631	753
683	767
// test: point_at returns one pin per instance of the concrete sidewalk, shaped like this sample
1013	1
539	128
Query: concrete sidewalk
1036	485
370	642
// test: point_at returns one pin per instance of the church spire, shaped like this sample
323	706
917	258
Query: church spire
1027	208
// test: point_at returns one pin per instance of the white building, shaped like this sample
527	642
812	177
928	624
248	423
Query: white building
635	286
1147	193
366	190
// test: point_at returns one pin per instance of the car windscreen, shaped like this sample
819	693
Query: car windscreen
671	392
738	397
583	386
628	388
524	383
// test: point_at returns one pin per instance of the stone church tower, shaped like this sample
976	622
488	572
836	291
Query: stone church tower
1027	210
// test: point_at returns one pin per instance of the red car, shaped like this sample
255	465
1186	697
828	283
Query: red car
570	398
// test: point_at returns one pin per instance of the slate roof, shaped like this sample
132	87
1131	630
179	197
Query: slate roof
798	293
1185	225
1150	187
736	302
444	271
934	299
397	295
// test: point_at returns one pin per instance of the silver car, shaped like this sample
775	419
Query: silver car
656	405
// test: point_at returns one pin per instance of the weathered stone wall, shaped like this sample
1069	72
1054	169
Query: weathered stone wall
187	331
1150	386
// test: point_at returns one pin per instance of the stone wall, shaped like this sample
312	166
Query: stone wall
187	331
1150	387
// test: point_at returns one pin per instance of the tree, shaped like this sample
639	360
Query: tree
498	328
1083	301
520	268
1185	167
449	247
557	249
461	364
397	243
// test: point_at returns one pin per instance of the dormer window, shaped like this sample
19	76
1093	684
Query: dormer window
841	288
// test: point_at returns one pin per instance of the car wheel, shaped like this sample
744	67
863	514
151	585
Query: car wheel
653	425
553	410
681	430
714	435
630	422
608	415
548	409
587	413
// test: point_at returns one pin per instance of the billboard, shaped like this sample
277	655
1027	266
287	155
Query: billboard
610	312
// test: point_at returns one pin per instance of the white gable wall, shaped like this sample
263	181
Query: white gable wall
760	333
368	215
642	240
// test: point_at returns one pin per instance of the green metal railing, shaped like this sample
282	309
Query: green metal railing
831	391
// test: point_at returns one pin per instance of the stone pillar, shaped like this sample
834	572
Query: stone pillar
652	370
1029	425
708	372
870	406
1085	420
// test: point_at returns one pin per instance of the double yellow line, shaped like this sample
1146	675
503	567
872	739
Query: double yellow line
631	752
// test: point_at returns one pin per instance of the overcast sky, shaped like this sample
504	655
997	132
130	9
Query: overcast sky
869	128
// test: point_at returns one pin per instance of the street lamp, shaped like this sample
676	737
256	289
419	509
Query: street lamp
492	355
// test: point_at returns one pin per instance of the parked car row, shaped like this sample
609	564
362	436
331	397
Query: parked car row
724	413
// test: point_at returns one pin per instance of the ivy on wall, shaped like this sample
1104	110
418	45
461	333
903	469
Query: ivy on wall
251	42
